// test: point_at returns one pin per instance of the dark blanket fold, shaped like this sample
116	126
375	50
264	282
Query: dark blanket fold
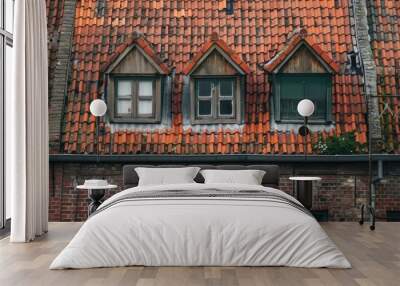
203	194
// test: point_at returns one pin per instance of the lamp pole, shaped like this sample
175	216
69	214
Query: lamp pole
305	137
305	108
98	108
97	139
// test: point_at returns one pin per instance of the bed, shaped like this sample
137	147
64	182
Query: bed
197	224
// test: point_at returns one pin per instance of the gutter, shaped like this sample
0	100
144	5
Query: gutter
219	159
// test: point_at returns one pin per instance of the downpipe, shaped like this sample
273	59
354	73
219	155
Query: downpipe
371	208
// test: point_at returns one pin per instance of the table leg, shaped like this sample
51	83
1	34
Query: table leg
95	197
304	193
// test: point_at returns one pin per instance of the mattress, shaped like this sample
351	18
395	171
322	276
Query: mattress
201	225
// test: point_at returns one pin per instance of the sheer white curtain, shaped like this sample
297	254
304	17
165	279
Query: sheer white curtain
27	124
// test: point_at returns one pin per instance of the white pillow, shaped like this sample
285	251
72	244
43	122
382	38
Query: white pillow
248	177
166	176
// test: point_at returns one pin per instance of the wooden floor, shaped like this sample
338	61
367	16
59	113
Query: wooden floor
375	257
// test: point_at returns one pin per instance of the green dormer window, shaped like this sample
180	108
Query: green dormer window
302	70
292	88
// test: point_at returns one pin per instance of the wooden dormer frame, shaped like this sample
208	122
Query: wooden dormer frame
228	66
151	68
319	66
299	39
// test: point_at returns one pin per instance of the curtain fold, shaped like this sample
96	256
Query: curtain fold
27	122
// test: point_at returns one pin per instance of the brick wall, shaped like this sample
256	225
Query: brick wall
343	189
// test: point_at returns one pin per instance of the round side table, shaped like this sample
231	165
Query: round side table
303	189
95	195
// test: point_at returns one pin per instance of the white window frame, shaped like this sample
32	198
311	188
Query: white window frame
6	39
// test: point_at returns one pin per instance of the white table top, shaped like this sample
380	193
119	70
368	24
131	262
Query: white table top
86	187
304	178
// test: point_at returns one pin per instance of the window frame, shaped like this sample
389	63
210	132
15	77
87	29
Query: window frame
6	40
278	80
215	118
155	117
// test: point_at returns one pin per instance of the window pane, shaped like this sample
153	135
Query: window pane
9	61
226	107
145	107
316	92
8	69
124	88
226	87
146	88
292	91
1	15
204	87
124	106
204	107
9	14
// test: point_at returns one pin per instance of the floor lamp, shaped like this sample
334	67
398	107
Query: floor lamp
305	108
98	108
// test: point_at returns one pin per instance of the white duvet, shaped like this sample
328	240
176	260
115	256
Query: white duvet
200	231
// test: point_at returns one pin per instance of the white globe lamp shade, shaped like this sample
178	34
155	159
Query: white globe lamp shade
305	108
98	107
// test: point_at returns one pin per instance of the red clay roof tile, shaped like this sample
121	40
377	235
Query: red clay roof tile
176	30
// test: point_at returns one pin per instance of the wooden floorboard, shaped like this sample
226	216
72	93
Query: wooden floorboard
375	257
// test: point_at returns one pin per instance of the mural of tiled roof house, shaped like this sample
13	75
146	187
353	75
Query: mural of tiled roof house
219	77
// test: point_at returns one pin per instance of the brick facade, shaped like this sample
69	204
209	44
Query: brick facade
343	189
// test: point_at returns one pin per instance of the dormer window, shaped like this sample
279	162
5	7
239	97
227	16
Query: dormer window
135	84
217	77
215	98
302	70
290	89
136	97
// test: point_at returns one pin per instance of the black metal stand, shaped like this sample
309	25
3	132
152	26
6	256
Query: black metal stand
95	197
370	208
304	193
373	180
372	215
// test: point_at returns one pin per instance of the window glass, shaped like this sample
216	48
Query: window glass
215	97
204	87
124	101
226	107
295	88
204	107
9	15
315	90
8	70
145	107
146	88
135	98
292	91
124	88
124	106
226	87
1	15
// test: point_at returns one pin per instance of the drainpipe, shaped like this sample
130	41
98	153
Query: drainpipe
372	198
369	71
363	40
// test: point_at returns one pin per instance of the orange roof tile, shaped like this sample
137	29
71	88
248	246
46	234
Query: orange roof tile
182	34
